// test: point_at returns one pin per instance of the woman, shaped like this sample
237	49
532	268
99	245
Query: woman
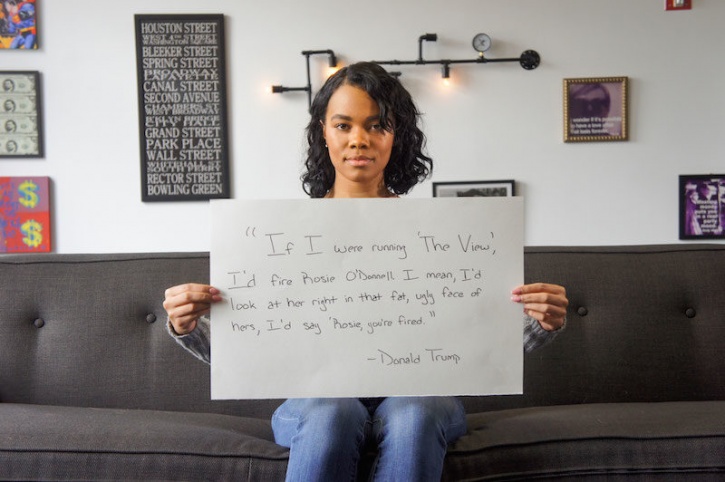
364	141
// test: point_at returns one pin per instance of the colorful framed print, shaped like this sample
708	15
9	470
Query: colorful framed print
18	24
24	214
702	206
474	188
595	109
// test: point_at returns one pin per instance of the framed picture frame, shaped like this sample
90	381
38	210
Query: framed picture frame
702	206
18	24
475	188
20	114
596	109
182	107
25	207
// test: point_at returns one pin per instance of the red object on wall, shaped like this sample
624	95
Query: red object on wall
678	4
24	214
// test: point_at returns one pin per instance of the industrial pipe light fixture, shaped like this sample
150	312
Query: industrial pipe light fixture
427	37
529	60
332	62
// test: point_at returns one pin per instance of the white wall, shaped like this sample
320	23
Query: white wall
495	121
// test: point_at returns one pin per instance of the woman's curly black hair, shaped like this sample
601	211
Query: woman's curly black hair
408	164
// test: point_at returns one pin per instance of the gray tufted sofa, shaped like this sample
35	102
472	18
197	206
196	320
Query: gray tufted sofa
91	386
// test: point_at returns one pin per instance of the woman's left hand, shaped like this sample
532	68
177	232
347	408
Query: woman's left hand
544	302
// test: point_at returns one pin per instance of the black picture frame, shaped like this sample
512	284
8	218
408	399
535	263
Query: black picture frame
21	119
702	206
182	90
596	109
500	188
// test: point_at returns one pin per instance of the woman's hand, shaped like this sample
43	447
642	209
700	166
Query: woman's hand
544	302
186	303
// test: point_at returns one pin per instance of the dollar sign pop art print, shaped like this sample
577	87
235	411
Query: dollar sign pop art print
24	214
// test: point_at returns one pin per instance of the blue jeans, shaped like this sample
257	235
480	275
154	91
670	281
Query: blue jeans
326	437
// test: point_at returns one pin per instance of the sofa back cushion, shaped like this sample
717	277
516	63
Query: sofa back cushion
89	330
645	323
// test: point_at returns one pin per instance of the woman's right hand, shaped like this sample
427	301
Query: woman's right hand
186	303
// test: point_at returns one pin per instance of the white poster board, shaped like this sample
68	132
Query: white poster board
366	298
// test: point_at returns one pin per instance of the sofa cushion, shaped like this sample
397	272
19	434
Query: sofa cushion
88	330
645	324
53	443
593	441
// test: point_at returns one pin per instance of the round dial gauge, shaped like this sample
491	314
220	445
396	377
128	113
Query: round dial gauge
481	42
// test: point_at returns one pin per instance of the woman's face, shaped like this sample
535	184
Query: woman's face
359	147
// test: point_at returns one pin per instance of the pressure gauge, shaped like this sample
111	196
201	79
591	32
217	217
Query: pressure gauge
481	42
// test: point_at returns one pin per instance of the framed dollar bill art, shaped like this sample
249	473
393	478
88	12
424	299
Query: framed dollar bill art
182	107
474	188
702	206
595	109
20	114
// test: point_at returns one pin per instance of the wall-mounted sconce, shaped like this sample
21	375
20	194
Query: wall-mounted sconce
446	71
332	62
528	60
